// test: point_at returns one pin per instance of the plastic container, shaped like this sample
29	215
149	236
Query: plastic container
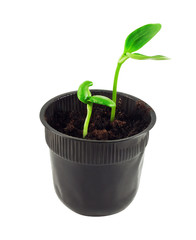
94	177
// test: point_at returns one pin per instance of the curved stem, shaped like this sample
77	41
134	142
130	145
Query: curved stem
115	90
122	59
87	120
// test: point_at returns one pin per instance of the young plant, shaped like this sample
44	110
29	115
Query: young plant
84	95
133	42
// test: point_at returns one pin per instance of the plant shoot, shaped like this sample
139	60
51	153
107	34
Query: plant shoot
84	95
136	40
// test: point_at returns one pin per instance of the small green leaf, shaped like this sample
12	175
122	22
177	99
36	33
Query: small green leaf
83	92
140	37
139	56
102	100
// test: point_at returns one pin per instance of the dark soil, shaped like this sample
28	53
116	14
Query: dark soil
100	127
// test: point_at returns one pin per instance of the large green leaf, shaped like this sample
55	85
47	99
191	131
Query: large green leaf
83	92
102	100
140	37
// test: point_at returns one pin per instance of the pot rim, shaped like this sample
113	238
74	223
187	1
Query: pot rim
58	97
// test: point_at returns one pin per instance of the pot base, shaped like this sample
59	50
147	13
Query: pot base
97	213
96	190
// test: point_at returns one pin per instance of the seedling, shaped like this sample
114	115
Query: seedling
133	42
84	95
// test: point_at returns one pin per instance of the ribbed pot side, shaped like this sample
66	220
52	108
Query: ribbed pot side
94	177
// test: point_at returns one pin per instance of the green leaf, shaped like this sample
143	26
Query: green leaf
83	92
140	37
139	56
102	100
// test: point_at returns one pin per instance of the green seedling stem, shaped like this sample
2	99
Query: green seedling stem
136	40
84	95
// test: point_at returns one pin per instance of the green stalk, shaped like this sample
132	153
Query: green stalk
87	120
122	59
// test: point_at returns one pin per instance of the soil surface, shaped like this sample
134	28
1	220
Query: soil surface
100	127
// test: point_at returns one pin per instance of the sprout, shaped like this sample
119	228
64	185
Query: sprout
133	42
84	95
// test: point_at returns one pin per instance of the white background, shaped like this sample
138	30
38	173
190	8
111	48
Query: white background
50	47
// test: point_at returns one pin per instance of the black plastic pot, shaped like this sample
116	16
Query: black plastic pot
94	177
